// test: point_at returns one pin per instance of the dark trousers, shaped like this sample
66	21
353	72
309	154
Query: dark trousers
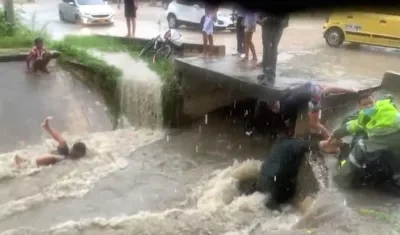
240	34
270	39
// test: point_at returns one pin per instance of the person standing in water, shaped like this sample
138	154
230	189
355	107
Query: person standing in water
279	170
130	8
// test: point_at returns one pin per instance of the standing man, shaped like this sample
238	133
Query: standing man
130	7
239	30
272	27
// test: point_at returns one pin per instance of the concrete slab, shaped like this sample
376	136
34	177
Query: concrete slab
25	100
210	83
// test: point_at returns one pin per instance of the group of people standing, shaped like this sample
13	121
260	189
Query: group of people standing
272	26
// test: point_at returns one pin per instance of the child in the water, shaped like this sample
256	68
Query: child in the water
78	150
38	58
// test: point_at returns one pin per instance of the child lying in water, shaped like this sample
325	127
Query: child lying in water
78	150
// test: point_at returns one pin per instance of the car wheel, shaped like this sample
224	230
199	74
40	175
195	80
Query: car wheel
334	37
60	14
77	19
172	21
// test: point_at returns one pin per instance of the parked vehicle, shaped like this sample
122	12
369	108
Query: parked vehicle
86	12
378	27
181	12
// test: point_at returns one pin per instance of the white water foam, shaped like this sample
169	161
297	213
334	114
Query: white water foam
25	188
218	208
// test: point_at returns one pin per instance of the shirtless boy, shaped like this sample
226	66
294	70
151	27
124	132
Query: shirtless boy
78	150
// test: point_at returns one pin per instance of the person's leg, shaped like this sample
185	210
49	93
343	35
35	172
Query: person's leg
274	51
204	44
239	34
133	23
55	134
128	26
252	48
246	46
45	62
36	65
210	45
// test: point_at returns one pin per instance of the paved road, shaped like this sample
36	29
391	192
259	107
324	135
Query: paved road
302	41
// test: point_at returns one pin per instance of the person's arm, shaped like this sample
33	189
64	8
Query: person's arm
315	124
47	160
136	4
337	90
350	128
28	60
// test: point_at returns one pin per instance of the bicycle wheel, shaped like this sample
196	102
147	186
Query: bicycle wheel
162	53
148	46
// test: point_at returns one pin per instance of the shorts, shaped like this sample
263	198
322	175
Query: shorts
130	12
250	29
208	26
63	150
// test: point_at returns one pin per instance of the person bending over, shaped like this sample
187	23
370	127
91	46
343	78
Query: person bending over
78	150
278	174
308	94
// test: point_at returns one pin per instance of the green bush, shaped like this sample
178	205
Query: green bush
18	35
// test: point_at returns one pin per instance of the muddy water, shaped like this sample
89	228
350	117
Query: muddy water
151	181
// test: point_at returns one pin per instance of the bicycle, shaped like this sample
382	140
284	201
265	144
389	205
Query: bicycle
162	45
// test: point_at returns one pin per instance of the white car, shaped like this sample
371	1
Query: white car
181	12
86	12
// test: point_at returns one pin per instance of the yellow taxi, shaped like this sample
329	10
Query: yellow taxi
378	27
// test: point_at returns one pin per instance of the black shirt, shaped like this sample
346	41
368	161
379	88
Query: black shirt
283	160
297	98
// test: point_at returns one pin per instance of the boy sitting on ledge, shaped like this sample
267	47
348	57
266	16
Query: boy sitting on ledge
38	57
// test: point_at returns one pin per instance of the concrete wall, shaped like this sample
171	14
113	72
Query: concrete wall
187	48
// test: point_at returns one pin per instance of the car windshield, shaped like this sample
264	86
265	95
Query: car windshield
90	2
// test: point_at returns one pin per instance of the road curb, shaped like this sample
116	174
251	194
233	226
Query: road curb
21	56
188	48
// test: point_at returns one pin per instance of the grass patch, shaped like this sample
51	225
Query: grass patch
102	75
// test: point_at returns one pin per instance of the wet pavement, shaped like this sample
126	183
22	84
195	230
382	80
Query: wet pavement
27	99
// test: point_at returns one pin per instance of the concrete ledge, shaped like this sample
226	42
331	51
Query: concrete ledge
187	48
21	56
391	81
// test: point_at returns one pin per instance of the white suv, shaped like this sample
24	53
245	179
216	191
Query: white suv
181	12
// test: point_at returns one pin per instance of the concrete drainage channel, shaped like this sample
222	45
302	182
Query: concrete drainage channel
210	95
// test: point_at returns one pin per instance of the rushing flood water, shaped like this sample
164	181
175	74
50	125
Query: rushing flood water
151	181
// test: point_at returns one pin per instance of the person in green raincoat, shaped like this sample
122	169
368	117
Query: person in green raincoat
381	122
